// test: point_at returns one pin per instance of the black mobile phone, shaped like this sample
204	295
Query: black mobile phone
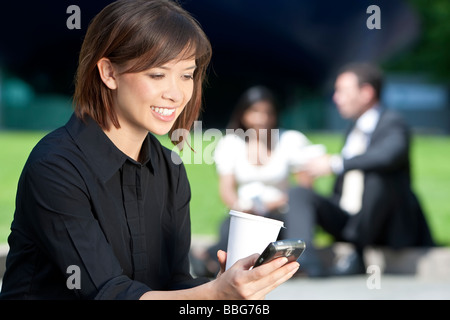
289	248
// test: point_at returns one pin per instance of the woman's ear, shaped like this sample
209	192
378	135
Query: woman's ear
107	73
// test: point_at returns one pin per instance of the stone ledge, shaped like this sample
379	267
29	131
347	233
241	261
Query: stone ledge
432	262
427	262
4	248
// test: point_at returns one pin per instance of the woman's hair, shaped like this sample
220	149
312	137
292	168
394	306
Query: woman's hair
138	34
247	99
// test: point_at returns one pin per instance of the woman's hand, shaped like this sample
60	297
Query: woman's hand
239	282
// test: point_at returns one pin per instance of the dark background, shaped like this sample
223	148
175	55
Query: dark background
293	47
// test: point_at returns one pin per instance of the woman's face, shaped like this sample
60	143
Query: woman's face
152	100
260	115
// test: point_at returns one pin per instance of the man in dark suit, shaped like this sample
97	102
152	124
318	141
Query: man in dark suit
372	201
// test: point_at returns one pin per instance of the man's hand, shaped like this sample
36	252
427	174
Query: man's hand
319	166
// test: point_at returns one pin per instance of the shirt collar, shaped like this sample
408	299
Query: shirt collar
369	120
100	150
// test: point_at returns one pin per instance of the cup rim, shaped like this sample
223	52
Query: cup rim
255	217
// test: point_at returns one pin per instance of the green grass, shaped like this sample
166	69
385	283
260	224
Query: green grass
431	180
14	150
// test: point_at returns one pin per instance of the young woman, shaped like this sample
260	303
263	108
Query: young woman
255	162
102	211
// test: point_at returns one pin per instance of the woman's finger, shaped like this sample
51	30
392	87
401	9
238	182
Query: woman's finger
281	276
275	273
248	262
267	268
222	258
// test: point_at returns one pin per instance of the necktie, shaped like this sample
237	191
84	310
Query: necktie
353	184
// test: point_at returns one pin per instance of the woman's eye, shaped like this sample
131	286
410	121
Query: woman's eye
188	77
156	76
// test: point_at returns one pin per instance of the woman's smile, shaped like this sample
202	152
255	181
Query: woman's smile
164	113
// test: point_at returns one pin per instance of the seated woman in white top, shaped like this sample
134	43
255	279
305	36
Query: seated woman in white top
255	161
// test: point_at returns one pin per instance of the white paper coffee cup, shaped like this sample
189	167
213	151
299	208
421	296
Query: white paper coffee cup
249	234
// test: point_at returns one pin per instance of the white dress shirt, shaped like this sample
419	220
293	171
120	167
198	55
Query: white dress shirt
356	144
366	123
268	182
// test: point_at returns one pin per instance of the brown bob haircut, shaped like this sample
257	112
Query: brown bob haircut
139	34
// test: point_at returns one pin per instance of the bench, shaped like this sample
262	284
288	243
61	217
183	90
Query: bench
4	248
433	262
429	262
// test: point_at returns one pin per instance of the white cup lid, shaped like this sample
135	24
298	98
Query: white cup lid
255	217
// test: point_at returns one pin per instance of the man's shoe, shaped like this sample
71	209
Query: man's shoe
311	265
349	265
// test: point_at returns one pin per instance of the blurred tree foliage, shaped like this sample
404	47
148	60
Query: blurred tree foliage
431	53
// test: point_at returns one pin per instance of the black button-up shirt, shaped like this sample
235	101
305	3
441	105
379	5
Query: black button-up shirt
90	222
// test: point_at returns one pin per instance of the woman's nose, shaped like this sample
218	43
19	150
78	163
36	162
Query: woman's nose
173	91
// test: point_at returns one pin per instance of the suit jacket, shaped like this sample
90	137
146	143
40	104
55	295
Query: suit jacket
391	214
